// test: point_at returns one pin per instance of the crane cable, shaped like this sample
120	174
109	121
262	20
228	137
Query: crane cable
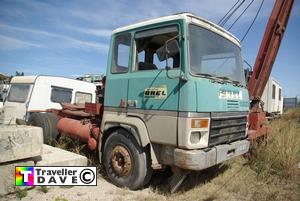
242	13
254	19
227	12
256	15
230	15
231	11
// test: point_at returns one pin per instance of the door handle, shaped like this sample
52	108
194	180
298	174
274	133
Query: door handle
132	103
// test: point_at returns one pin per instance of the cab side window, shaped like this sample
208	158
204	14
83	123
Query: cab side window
149	46
81	97
121	53
61	95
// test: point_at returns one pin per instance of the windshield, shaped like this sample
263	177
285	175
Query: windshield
18	93
214	55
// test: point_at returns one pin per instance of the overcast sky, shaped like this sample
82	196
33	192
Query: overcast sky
71	38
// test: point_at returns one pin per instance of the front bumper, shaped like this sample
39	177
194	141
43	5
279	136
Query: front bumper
202	159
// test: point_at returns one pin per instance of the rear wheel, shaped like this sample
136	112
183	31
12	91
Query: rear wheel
47	121
126	163
52	120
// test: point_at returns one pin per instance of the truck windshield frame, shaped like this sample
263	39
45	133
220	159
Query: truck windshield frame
213	56
19	93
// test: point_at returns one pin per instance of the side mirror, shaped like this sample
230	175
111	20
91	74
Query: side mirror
247	73
169	49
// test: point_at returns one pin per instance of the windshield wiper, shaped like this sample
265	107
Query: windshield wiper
214	78
204	74
223	78
237	83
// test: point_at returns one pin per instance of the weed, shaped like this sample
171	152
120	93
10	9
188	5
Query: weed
60	199
74	145
44	189
280	153
21	193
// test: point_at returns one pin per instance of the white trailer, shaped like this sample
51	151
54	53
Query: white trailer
272	98
30	96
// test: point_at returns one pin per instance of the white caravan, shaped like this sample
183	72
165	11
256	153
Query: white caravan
30	96
272	98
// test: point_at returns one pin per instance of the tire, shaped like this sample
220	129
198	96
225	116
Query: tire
121	146
47	123
52	120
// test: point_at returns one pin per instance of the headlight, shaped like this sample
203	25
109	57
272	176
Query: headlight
199	123
195	137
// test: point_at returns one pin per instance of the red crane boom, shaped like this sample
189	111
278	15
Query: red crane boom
264	63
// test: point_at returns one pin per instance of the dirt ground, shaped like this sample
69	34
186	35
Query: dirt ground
230	181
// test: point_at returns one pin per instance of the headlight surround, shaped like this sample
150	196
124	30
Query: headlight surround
195	137
199	132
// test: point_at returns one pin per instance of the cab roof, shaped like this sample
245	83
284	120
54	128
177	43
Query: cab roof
32	79
23	79
188	17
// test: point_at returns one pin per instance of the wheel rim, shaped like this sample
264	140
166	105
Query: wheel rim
121	161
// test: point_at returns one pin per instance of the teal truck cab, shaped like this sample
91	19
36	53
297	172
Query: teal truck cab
175	95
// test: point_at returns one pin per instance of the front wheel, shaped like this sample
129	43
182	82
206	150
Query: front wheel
126	163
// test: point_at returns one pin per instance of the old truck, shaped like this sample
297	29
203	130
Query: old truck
29	98
174	95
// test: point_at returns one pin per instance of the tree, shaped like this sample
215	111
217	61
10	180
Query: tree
19	73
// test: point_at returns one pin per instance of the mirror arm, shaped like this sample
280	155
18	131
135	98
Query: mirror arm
182	78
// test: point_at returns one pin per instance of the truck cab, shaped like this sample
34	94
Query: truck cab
175	89
30	98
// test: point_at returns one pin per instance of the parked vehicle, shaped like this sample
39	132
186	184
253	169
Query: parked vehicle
272	98
174	95
30	97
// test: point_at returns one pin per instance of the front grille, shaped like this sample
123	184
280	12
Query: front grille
233	105
227	127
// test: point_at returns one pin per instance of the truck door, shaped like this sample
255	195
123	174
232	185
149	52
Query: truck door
152	91
116	86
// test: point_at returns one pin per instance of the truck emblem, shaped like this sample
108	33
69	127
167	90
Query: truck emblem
156	92
223	94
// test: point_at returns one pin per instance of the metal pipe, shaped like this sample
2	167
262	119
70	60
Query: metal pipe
76	129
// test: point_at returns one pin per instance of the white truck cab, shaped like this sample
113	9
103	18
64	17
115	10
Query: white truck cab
29	98
29	94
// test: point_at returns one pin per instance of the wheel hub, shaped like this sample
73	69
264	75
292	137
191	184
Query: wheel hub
121	160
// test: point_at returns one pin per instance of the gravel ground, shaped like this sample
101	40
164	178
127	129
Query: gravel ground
103	191
233	181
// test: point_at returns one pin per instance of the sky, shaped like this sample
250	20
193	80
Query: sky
71	38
